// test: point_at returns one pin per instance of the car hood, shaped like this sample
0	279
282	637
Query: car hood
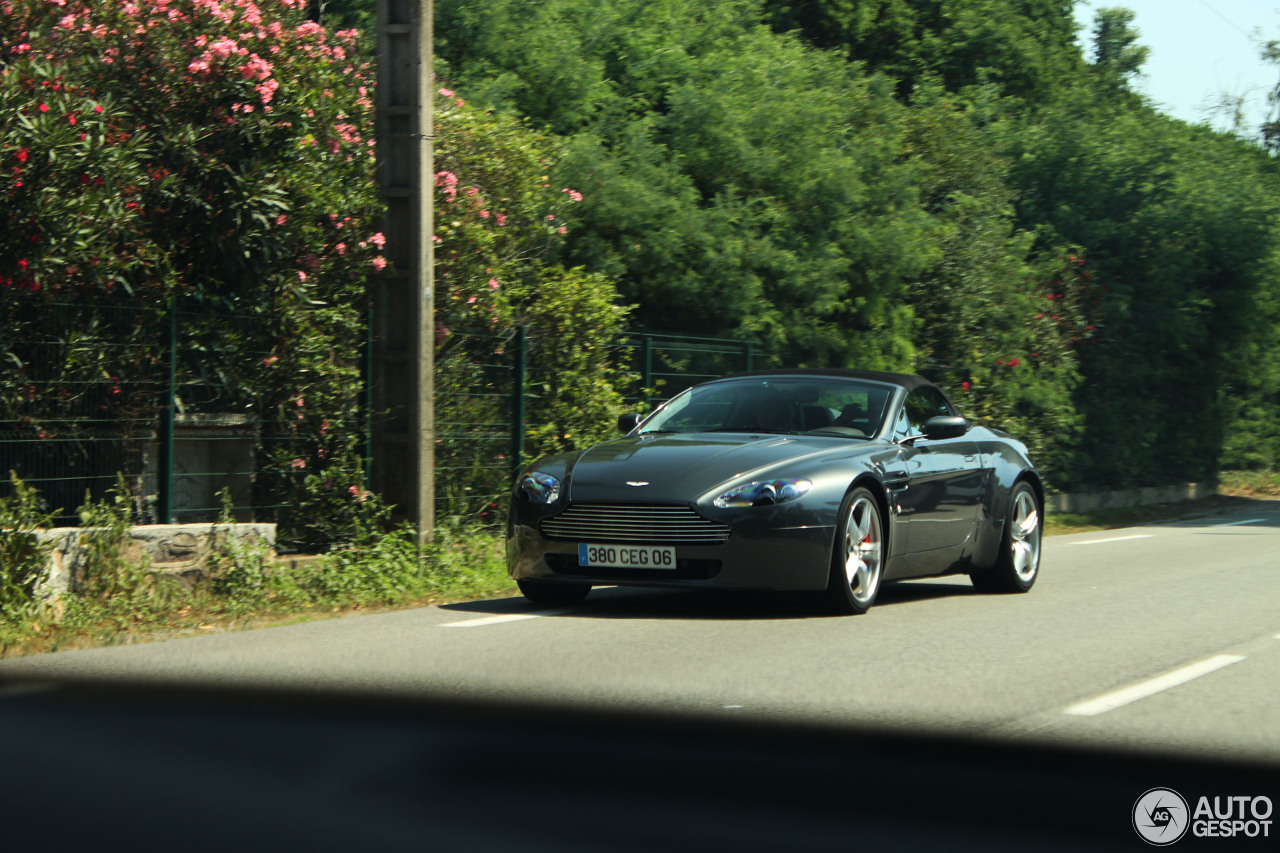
680	468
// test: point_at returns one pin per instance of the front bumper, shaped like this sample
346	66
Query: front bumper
755	556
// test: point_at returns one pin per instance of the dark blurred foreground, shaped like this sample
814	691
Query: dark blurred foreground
151	767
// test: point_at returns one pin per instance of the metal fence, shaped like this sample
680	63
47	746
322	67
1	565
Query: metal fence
94	394
187	436
488	411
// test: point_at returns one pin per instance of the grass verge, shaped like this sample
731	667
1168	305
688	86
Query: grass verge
247	588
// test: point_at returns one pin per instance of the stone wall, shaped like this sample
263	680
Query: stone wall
1088	502
181	550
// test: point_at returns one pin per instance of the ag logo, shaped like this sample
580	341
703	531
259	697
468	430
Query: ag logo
1161	816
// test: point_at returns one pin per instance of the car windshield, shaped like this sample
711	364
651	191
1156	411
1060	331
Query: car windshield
821	406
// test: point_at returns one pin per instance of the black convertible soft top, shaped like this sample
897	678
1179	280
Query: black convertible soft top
908	381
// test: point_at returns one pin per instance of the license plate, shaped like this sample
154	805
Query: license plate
627	556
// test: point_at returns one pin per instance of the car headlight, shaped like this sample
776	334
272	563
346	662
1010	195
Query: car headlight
540	488
764	493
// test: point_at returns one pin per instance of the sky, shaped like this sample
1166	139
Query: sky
1199	49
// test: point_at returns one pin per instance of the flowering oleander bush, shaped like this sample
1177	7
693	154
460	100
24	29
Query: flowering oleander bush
216	158
213	156
499	228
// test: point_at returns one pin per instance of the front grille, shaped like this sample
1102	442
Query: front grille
649	523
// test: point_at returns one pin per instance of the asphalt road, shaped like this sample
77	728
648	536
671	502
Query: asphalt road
1164	637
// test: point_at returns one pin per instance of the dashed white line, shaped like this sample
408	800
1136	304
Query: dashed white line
1115	539
492	620
1238	523
1143	689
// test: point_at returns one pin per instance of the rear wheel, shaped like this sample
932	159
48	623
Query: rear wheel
857	558
1019	562
553	593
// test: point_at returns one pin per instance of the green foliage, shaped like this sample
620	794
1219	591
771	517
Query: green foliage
1179	225
1115	48
113	583
500	224
944	185
23	557
1026	50
721	165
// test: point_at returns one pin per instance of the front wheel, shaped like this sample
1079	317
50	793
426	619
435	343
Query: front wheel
553	594
1019	562
857	558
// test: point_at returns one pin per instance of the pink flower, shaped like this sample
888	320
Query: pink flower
223	47
379	263
502	219
562	230
299	463
447	93
493	284
378	240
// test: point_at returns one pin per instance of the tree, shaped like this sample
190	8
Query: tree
1116	52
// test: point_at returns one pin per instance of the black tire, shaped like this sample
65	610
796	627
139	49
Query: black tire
552	593
1018	564
857	555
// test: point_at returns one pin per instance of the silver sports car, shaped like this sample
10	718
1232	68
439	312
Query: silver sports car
829	481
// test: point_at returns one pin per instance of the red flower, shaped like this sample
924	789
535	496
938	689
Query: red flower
44	108
23	154
965	386
1013	362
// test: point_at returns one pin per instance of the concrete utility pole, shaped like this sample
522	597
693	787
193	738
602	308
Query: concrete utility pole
404	301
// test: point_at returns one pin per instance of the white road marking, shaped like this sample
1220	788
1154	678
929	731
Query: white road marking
1143	689
1115	539
492	620
1238	523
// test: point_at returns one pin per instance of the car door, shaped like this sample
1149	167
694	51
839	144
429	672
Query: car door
937	503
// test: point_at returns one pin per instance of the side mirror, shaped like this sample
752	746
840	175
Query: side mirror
945	426
628	422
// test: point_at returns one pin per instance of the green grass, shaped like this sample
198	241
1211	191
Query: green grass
1261	484
246	588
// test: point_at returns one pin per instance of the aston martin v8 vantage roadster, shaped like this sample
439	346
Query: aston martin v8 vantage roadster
826	481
